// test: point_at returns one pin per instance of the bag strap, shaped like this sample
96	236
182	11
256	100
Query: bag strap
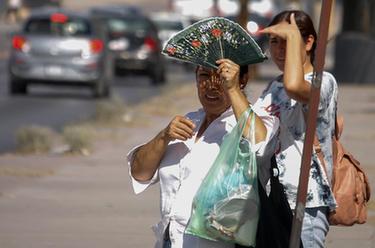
274	179
339	125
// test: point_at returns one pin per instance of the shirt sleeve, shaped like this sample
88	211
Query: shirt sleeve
139	187
271	122
327	87
265	149
326	91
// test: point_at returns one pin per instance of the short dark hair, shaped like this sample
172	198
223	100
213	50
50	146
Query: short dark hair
304	23
244	69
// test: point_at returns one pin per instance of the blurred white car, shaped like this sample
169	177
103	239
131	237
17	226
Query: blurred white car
57	46
193	9
168	24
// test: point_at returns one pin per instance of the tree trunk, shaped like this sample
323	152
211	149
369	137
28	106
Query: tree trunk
242	19
353	16
243	15
354	47
371	10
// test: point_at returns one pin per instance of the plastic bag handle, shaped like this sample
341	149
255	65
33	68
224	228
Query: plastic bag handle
245	116
248	113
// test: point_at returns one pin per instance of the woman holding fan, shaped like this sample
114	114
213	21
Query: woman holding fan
182	153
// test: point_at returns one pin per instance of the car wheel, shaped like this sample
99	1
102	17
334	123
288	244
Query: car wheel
158	77
101	89
119	72
17	86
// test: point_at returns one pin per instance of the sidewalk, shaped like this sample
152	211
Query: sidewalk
75	201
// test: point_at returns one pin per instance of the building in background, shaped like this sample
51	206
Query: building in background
188	8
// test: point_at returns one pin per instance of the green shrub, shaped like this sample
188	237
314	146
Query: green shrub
34	139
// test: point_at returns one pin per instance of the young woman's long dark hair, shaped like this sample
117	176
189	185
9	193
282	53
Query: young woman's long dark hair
304	23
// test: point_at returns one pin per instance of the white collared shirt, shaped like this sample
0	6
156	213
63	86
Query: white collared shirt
182	169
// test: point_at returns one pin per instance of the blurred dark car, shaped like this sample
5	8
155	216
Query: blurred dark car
40	3
133	41
55	47
168	24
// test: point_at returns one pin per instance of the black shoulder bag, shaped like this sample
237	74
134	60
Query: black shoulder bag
276	216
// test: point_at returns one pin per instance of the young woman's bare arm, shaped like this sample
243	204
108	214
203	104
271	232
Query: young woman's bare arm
297	63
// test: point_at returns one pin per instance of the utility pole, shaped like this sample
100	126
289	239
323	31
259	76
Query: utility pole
311	124
354	11
372	19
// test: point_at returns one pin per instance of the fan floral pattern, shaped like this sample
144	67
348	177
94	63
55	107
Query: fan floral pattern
206	41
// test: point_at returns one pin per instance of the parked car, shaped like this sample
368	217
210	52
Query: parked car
133	41
55	47
40	3
168	24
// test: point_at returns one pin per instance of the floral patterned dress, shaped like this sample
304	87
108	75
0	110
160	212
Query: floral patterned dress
288	141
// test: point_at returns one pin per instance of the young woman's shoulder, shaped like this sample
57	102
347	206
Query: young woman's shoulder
329	82
327	79
329	76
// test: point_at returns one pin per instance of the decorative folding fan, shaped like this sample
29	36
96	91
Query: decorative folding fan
206	41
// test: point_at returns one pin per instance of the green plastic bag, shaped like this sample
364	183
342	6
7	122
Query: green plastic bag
226	206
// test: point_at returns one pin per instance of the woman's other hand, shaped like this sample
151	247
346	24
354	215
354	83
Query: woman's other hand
230	74
147	158
290	52
180	128
283	29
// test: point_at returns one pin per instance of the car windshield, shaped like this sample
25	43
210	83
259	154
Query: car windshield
69	27
169	25
127	25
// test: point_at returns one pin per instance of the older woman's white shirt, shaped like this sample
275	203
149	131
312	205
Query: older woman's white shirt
181	171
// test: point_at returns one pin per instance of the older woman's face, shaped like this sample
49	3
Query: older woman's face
211	93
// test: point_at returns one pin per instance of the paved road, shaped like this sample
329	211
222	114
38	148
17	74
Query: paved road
56	106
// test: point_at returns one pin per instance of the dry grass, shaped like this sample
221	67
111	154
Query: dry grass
34	139
79	138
